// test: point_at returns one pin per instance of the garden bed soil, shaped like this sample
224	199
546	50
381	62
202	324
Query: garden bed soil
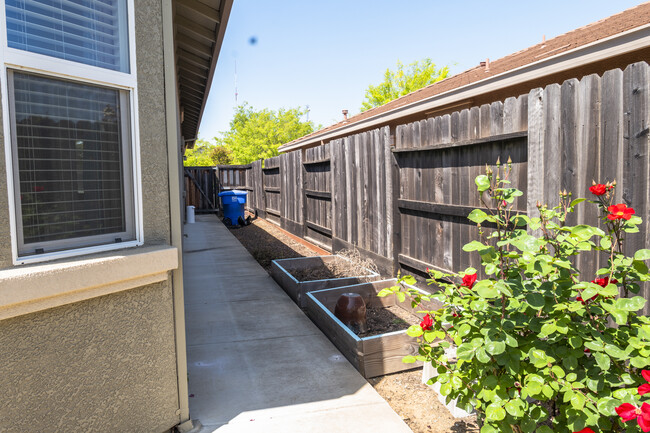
387	319
337	268
404	391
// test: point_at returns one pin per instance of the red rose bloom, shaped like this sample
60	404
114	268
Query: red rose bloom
619	211
427	323
627	412
469	280
603	282
646	375
579	298
598	189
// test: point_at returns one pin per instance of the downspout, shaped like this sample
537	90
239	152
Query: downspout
176	228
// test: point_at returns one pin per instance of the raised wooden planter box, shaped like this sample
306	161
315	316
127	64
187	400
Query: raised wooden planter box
375	355
280	270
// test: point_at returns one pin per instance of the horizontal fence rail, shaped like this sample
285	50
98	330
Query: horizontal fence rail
401	195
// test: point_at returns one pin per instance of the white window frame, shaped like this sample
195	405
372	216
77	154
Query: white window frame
24	61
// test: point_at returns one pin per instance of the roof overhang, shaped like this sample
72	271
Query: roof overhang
620	44
199	28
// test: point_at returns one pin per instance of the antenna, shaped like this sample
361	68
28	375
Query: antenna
236	82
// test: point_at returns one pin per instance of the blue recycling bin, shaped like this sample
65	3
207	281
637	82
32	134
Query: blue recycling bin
233	202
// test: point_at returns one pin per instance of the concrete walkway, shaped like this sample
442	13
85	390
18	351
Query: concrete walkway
256	362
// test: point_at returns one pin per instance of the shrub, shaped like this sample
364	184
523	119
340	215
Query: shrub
539	346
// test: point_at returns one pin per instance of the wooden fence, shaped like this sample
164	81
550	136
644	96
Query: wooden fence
203	185
402	195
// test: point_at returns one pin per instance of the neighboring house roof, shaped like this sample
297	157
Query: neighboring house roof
593	48
199	27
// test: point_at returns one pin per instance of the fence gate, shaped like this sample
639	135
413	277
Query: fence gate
201	189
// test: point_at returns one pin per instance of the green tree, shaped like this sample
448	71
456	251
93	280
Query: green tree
207	154
256	134
403	81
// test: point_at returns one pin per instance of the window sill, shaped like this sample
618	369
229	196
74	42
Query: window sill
25	290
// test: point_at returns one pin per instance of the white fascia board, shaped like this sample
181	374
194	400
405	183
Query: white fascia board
626	42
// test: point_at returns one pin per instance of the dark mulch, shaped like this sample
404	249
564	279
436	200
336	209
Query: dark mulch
387	319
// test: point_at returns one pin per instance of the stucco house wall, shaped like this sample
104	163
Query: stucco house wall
107	363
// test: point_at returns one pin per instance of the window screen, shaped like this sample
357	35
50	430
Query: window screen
69	147
93	32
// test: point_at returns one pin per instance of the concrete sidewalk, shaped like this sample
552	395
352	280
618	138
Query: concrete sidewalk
256	363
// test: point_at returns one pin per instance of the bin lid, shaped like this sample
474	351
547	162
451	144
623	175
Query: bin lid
233	192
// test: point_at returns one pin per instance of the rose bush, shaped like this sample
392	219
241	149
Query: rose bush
541	347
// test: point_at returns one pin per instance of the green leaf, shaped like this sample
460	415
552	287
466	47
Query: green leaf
430	336
401	296
486	289
570	362
594	346
384	292
494	412
602	360
575	341
482	356
409	279
547	329
577	201
409	359
605	243
535	300
585	232
511	341
473	246
643	254
544	429
589	292
515	407
414	331
615	352
487	428
608	291
607	405
640	361
495	347
595	385
445	389
465	352
482	183
620	316
477	216
630	304
557	371
578	401
547	391
464	330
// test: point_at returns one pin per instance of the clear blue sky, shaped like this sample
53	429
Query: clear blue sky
294	53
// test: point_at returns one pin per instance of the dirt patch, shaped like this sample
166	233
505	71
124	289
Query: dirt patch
418	405
352	265
381	320
266	242
412	400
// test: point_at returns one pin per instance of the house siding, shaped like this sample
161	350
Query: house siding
106	363
103	365
5	233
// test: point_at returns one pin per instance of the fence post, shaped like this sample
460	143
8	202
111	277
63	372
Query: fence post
394	179
303	153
